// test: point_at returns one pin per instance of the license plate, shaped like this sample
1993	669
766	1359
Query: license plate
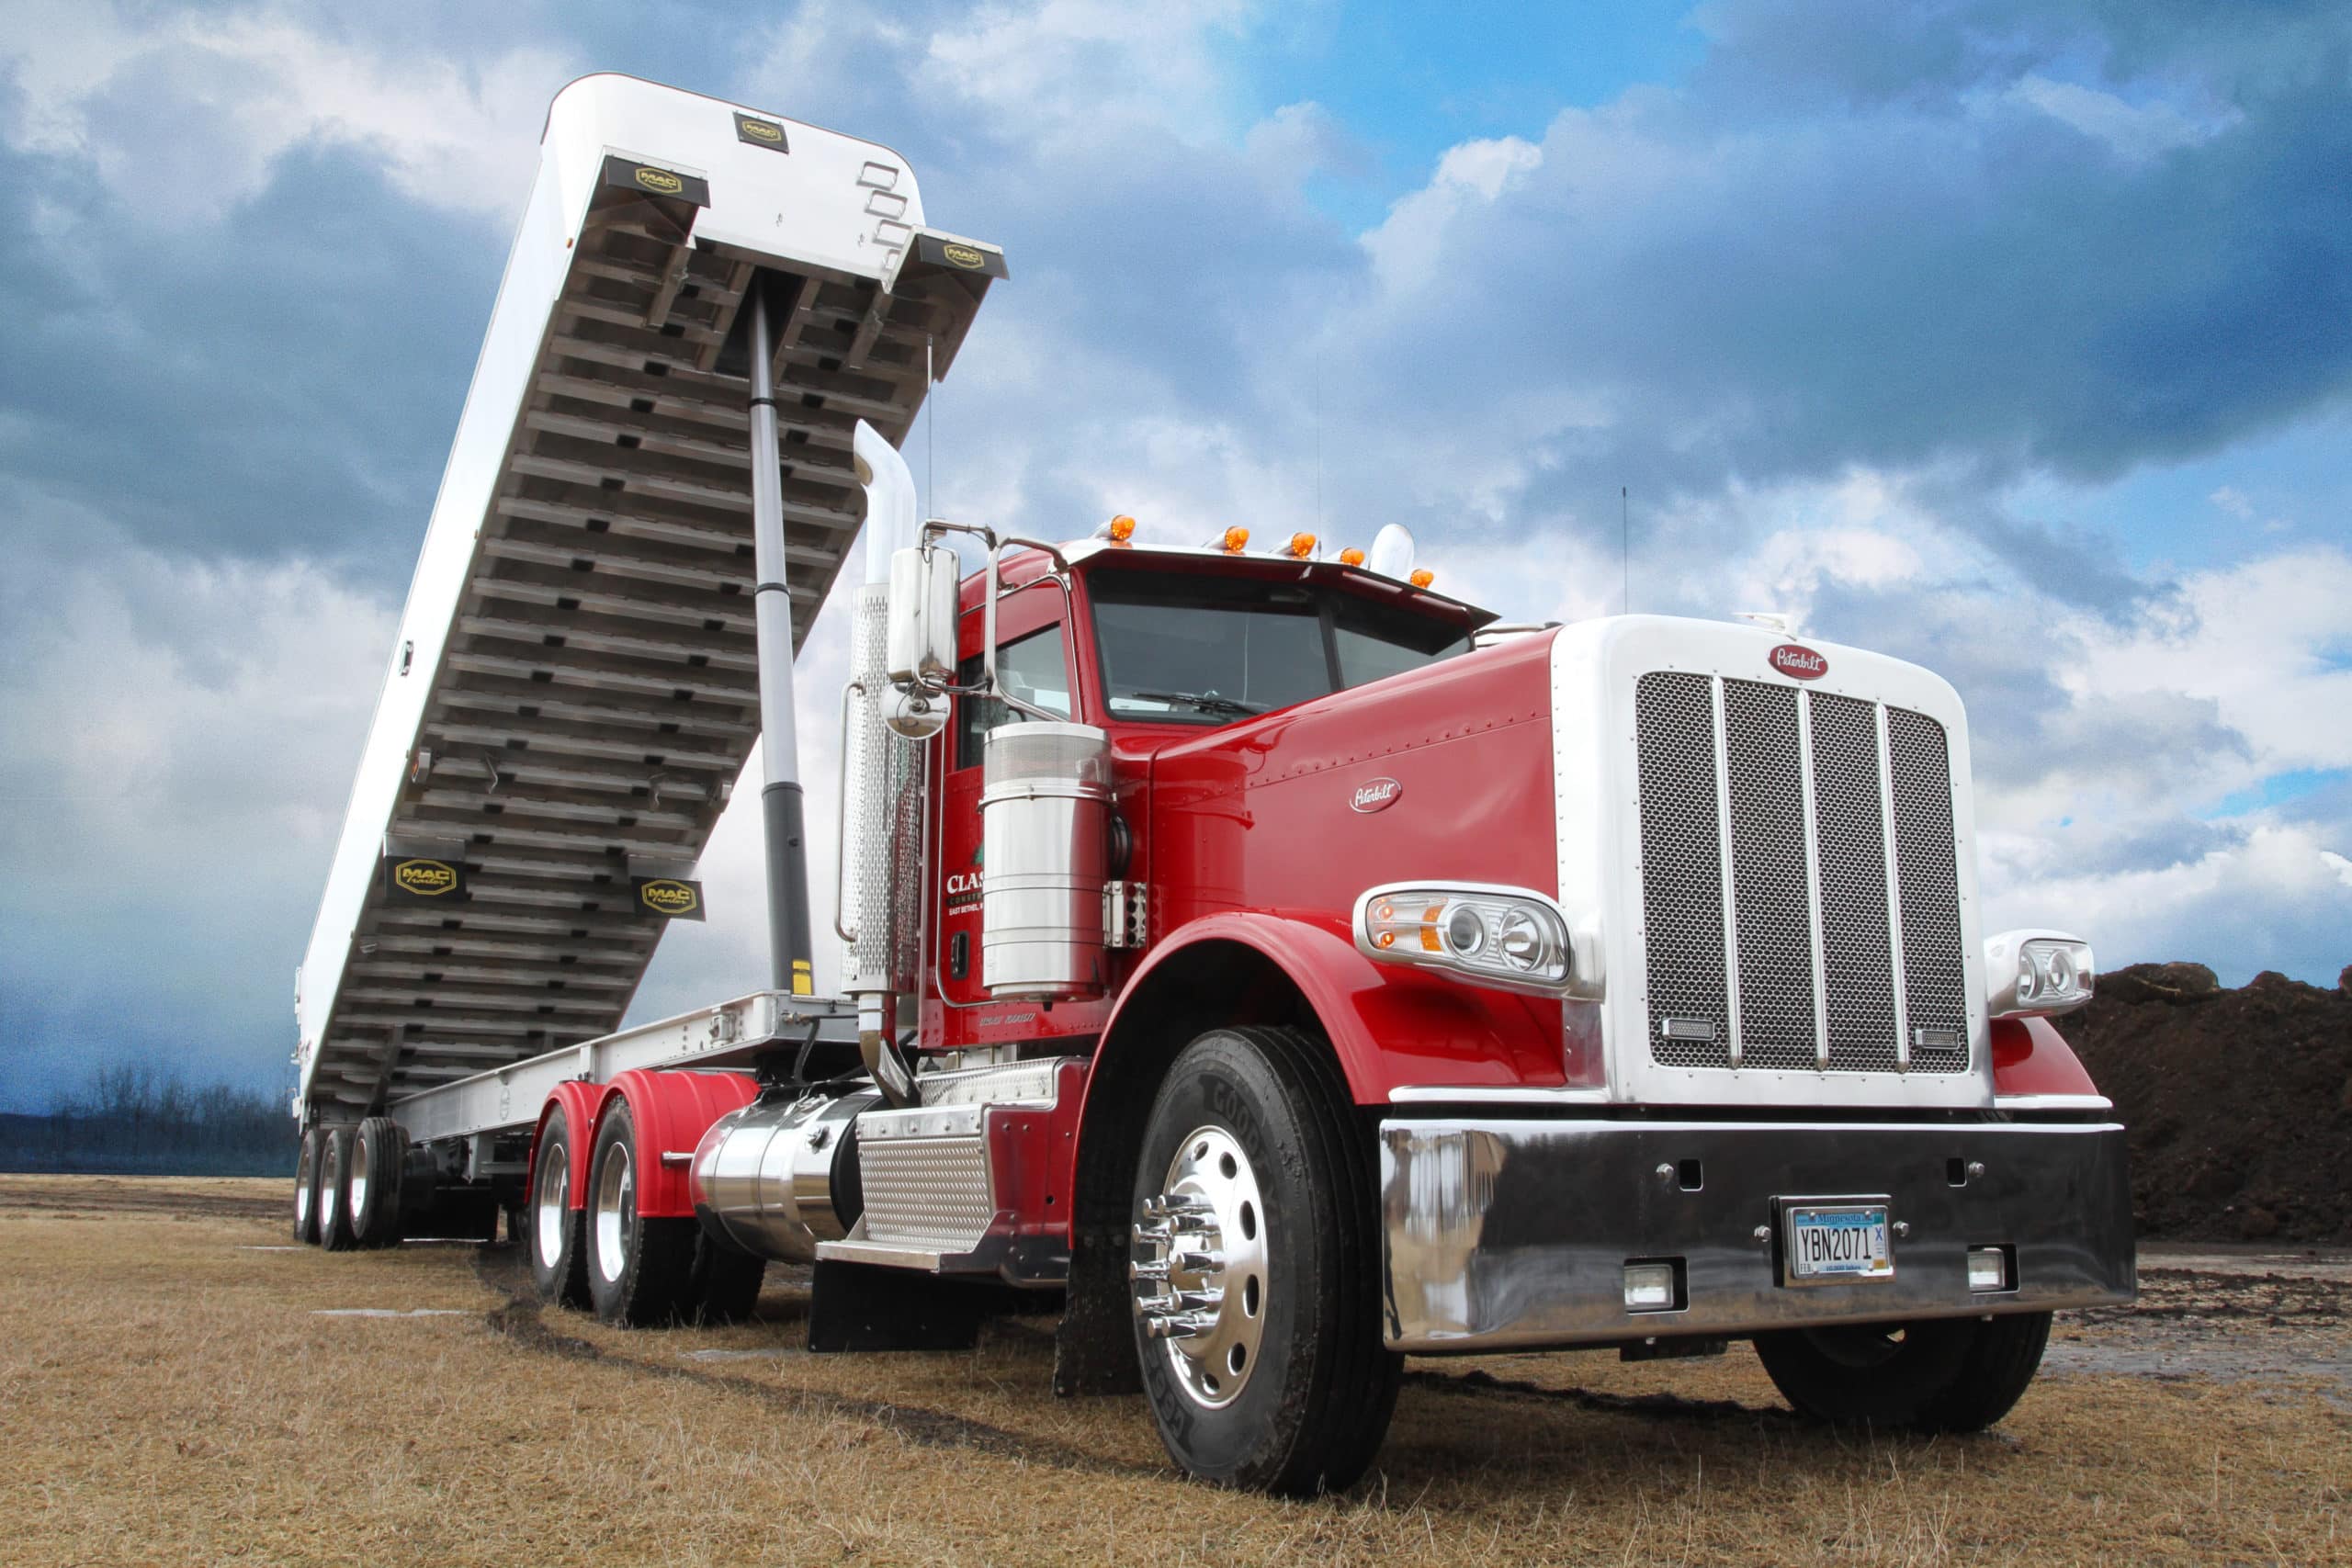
1837	1241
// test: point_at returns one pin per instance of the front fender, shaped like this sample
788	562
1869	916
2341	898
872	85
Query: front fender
1389	1026
2030	1056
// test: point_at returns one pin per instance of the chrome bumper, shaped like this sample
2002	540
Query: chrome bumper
1503	1233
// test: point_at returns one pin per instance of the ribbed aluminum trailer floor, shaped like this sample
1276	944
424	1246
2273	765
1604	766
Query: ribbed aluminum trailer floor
574	691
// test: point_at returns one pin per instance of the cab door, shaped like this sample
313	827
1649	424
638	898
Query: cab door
1033	664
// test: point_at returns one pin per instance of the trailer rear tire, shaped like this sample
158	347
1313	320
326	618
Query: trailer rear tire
557	1230
306	1188
638	1267
1957	1374
334	1213
1284	1384
371	1193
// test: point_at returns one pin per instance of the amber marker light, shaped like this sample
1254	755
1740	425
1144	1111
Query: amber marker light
1423	578
1235	539
1123	528
1302	545
1350	557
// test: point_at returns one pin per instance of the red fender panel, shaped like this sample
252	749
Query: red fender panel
671	1112
1389	1026
579	1101
2030	1056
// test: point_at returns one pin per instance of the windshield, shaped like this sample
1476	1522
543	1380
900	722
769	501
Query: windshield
1198	649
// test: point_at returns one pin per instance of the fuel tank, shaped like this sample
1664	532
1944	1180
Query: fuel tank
774	1178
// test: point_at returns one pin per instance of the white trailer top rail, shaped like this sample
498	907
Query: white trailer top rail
573	688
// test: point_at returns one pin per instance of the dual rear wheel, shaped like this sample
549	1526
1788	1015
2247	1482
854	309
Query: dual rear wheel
633	1269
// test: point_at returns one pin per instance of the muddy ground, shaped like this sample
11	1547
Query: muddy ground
178	1383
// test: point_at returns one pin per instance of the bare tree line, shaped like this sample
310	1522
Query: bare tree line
132	1117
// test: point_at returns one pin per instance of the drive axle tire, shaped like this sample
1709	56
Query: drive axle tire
724	1283
1255	1268
335	1212
306	1188
638	1267
557	1230
1957	1374
371	1191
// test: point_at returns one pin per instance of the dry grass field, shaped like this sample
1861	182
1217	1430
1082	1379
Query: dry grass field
177	1385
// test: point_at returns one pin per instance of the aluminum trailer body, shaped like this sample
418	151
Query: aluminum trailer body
572	691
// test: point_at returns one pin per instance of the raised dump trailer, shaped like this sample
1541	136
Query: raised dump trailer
1266	958
574	687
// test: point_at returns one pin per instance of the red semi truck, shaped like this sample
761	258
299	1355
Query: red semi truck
1267	960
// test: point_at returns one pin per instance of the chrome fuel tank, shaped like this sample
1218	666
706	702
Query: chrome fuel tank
1046	828
771	1179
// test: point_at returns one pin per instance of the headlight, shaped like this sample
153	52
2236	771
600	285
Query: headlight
2037	974
1507	937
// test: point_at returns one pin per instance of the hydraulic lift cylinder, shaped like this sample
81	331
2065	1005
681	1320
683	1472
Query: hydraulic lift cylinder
790	947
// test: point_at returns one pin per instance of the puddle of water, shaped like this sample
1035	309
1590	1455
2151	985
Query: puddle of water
388	1312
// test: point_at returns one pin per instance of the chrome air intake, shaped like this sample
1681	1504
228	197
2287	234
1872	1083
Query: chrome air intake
771	1179
1045	836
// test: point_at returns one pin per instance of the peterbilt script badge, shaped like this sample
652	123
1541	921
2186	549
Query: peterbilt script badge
1376	795
1799	662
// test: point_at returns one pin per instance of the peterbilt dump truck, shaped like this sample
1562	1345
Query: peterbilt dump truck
1274	965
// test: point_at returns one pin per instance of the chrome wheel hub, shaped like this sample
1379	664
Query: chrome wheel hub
615	1201
552	1199
1198	1266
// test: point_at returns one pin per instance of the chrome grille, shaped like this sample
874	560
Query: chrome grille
1920	770
1858	947
1682	903
1770	903
1807	956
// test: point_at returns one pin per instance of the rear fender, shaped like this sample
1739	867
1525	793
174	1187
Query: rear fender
579	1101
671	1111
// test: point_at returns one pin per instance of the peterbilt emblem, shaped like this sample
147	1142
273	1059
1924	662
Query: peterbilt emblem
1376	795
1799	662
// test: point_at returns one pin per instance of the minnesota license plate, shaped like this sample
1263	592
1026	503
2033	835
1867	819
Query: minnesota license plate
1837	1241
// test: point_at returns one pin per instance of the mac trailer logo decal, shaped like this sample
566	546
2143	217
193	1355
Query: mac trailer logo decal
967	256
425	878
1798	661
1376	795
660	180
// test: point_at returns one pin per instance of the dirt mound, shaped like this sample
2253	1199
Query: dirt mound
2239	1101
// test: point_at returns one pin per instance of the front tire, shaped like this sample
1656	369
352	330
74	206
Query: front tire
1956	1374
638	1268
1255	1268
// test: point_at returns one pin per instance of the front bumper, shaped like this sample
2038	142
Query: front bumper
1502	1233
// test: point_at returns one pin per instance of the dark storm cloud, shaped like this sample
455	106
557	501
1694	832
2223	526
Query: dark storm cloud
284	378
1899	252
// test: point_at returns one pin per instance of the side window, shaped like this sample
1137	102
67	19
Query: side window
1032	669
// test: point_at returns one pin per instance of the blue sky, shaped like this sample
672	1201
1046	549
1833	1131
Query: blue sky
2013	337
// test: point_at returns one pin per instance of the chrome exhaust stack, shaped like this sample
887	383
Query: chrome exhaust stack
878	911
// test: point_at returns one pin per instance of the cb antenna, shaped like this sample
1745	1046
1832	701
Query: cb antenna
1624	551
930	434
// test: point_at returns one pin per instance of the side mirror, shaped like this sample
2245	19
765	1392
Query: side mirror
920	649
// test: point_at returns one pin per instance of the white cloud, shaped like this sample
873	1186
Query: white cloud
184	115
1408	244
2135	132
